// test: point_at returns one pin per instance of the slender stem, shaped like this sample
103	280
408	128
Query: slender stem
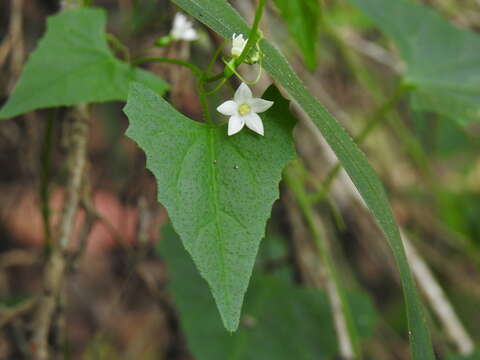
377	117
215	77
253	35
382	111
199	73
218	87
215	57
252	39
55	269
193	68
346	331
45	159
118	45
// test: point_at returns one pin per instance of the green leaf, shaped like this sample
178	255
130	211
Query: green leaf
72	65
303	17
281	321
222	18
443	61
218	190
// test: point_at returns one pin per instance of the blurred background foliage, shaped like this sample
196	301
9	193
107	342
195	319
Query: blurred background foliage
404	73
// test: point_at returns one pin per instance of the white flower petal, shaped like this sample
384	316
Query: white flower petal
235	124
238	44
189	34
254	122
182	29
260	105
179	21
228	108
243	94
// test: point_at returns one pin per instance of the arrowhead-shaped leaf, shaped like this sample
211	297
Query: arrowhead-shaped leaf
223	19
72	65
218	190
443	61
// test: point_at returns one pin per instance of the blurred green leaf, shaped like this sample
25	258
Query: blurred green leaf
303	17
441	136
222	18
281	321
443	61
72	65
340	14
218	190
459	212
13	301
145	13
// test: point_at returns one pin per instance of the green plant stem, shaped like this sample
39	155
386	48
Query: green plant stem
367	80
118	45
215	77
45	159
215	57
197	72
193	68
252	39
253	35
323	248
376	119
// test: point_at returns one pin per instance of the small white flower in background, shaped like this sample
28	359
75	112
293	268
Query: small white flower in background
243	111
182	28
238	44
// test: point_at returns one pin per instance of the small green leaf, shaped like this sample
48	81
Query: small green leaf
72	65
222	18
303	17
280	321
218	190
443	61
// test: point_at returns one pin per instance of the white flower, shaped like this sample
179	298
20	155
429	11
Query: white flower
238	44
182	28
243	110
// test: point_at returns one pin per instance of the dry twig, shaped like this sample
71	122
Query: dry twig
56	266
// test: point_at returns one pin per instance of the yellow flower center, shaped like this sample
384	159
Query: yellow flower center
244	109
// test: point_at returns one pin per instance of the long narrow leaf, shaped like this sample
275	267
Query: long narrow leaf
222	18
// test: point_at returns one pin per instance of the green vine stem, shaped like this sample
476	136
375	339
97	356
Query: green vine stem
119	46
196	71
253	37
374	121
349	337
193	68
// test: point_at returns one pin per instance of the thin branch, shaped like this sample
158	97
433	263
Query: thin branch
5	47
6	316
56	266
16	39
13	42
